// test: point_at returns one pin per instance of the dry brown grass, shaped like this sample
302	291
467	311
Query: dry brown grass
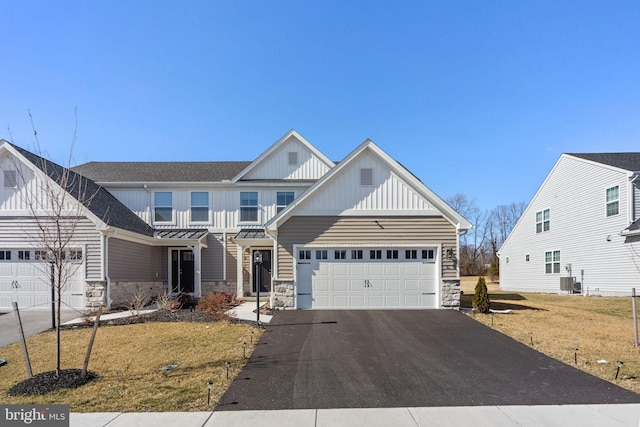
600	327
128	361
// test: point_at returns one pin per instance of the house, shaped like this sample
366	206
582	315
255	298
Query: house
310	233
582	226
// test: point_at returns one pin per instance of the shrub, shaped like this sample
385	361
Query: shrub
137	302
481	301
166	303
216	304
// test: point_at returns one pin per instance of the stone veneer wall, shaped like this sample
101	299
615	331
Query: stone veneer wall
218	286
122	292
450	294
283	294
96	293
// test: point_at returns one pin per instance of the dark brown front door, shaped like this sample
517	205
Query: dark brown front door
263	273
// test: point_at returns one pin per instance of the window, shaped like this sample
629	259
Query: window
304	254
366	177
411	254
392	254
322	254
5	255
375	254
542	221
163	206
613	201
249	206
552	262
283	199
41	255
357	254
293	158
507	260
75	254
428	254
527	258
24	255
341	254
10	179
199	206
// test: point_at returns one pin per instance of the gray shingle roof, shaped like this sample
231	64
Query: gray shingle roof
627	161
160	171
102	203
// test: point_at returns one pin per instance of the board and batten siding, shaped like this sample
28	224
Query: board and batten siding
21	233
276	165
364	231
131	261
575	194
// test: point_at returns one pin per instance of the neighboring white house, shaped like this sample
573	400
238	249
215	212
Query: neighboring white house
363	233
583	222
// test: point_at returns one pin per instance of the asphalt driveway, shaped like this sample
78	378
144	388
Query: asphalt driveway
365	359
34	321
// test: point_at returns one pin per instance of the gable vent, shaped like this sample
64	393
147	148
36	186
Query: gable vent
366	176
293	157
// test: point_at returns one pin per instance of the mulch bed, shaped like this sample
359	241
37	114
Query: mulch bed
48	381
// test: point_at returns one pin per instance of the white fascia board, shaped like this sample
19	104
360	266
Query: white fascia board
164	184
276	145
374	212
39	174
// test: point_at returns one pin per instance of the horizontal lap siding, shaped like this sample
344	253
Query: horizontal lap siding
132	261
213	258
21	233
359	230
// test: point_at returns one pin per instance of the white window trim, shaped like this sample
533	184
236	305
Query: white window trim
293	155
257	206
279	208
542	220
173	214
208	206
362	172
607	202
553	261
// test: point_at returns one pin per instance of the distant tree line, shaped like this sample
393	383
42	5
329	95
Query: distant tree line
480	245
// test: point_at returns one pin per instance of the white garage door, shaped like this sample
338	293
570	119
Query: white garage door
28	281
366	278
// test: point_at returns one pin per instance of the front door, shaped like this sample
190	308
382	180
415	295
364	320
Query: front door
263	273
182	264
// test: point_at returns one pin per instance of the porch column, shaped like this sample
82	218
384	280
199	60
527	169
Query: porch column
197	256
240	279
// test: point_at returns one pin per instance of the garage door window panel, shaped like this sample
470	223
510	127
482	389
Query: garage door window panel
322	254
411	254
5	255
24	255
392	254
428	254
340	254
357	254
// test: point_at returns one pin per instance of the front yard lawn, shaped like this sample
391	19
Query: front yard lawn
128	361
601	328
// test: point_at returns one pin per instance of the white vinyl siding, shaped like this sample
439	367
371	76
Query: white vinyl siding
574	191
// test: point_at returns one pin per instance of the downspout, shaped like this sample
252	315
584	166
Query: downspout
631	202
106	269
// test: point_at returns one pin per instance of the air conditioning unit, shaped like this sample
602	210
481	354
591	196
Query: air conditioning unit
566	283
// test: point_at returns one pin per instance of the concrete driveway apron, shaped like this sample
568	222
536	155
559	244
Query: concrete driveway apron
411	358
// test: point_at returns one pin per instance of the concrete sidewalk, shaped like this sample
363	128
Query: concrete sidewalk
245	311
476	416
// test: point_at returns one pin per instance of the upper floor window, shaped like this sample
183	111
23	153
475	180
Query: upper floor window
366	177
283	199
293	158
10	179
163	206
613	201
199	206
249	206
542	221
552	262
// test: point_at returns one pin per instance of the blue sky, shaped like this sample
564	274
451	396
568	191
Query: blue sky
479	97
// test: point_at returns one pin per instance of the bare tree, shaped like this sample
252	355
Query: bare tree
500	222
57	200
472	244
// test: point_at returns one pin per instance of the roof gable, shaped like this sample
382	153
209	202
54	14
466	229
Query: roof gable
102	204
274	163
394	190
627	161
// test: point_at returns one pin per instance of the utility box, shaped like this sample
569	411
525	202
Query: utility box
566	283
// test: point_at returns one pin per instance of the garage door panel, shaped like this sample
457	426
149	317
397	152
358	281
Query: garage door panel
375	283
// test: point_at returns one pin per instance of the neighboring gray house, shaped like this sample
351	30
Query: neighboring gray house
583	222
363	233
